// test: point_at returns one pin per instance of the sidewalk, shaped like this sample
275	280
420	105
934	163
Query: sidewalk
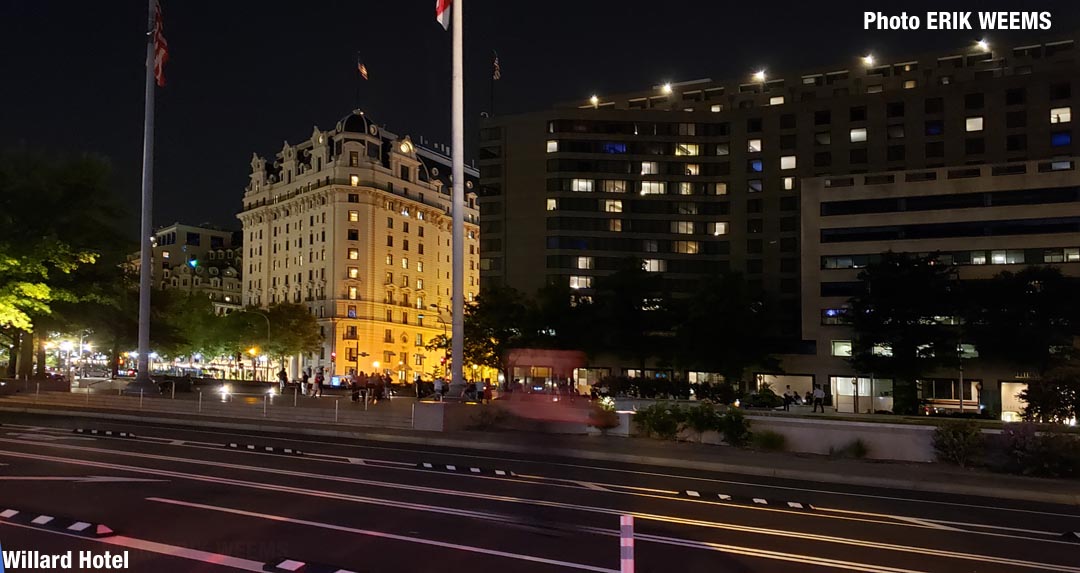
893	475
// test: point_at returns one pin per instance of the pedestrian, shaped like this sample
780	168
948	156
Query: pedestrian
316	388
788	398
283	379
819	399
354	385
304	378
809	399
416	385
438	389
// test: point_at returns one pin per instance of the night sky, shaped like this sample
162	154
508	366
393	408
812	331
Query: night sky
245	76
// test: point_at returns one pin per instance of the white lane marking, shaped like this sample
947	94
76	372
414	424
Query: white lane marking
795	505
42	519
176	442
357	461
926	523
384	535
78	526
422	452
160	548
724	497
544	503
8	513
692	493
79	479
451	468
290	565
590	485
760	501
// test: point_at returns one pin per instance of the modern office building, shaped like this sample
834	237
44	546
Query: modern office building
355	224
200	259
703	176
980	219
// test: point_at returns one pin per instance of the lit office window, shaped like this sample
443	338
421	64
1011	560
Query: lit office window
686	247
354	180
552	146
718	228
841	348
615	225
787	162
719	188
753	145
552	204
789	183
577	282
776	100
581	185
686	188
973	124
1072	255
910	84
653	187
686	149
613	206
654	265
354	254
613	186
584	263
354	216
716	107
858	135
682	227
693	169
649	168
354	272
1061	115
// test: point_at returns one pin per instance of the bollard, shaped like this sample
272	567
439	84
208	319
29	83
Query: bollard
174	390
140	399
335	409
626	544
295	394
365	400
87	395
200	400
265	399
38	386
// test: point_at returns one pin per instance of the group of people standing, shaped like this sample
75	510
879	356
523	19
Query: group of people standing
816	397
376	386
309	386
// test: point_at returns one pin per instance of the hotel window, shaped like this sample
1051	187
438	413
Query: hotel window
649	168
753	145
552	204
693	169
718	228
654	265
354	254
787	162
823	138
419	340
682	227
753	186
354	272
776	100
1061	115
585	263
789	183
420	266
974	123
353	293
686	247
419	284
389	259
404	262
354	216
652	188
858	135
577	282
613	206
723	149
686	188
1060	139
351	311
389	279
581	185
615	225
650	246
354	180
841	348
910	84
352	234
1072	255
686	149
719	188
389	240
754	166
613	186
354	159
552	146
716	107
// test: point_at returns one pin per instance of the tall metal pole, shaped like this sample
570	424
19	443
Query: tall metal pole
457	140
142	380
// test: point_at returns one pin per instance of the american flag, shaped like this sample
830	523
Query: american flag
161	47
496	70
361	69
442	13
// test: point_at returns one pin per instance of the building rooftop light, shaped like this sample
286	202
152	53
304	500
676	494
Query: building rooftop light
868	59
759	76
666	88
983	45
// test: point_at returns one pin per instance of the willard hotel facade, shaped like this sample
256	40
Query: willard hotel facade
355	224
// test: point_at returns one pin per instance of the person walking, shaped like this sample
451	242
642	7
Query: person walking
283	379
819	399
316	388
788	399
438	389
304	378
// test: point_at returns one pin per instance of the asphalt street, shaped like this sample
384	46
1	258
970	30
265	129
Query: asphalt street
181	500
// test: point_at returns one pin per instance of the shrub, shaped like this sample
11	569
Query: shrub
603	419
765	398
489	418
735	427
661	420
857	449
722	393
770	441
701	418
958	442
1020	449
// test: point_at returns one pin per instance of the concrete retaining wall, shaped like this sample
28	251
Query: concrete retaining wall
904	442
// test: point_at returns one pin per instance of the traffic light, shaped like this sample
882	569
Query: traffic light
333	357
442	360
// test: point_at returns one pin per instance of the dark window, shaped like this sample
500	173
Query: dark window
753	266
822	117
857	155
858	113
788	245
789	203
1016	96
193	239
789	265
354	198
895	153
895	109
753	246
787	141
389	240
1016	119
1060	91
353	235
973	101
755	226
753	206
1016	142
787	121
935	149
935	127
789	223
822	159
934	105
753	125
975	145
823	138
405	173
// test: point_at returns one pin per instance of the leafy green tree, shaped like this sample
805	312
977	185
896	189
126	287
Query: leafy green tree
724	328
493	324
897	322
293	330
1055	396
631	314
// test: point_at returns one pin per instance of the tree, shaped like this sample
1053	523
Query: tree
630	313
493	325
1027	319
723	328
1055	396
897	322
293	330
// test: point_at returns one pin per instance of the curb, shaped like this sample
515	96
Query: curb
463	469
58	524
1010	493
108	433
264	449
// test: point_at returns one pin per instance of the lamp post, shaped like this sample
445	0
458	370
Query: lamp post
254	369
446	337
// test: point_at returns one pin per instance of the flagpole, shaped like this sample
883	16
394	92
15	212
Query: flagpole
358	78
494	61
457	141
143	383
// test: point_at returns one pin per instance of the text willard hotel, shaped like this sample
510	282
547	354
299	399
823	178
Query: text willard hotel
20	560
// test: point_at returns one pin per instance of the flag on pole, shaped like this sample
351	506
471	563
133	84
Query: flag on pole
442	13
161	47
496	70
361	69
